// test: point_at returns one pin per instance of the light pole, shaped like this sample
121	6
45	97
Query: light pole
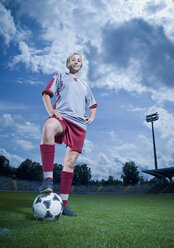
151	118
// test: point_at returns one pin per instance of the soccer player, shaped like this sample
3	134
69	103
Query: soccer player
67	123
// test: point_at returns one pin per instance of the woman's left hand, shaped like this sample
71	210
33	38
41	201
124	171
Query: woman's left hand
89	120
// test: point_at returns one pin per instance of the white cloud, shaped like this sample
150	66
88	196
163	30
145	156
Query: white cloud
15	160
160	12
112	134
101	167
88	146
48	60
163	94
9	30
32	82
136	109
145	141
121	78
26	56
21	127
24	144
7	26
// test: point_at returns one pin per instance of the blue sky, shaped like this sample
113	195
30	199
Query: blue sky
128	53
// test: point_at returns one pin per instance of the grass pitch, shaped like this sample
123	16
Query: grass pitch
103	221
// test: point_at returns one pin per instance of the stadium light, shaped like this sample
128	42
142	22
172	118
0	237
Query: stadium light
151	118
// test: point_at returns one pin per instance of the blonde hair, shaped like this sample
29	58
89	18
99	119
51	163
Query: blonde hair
69	59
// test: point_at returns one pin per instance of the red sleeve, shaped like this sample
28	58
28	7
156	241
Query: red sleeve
51	87
93	106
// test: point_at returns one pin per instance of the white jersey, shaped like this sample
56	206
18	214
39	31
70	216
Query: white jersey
72	95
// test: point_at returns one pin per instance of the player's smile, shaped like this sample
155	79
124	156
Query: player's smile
76	66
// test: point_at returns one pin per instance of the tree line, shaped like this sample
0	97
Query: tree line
32	171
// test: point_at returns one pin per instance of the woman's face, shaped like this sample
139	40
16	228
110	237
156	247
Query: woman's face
75	63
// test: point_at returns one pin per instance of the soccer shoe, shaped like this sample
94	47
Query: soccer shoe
46	187
68	212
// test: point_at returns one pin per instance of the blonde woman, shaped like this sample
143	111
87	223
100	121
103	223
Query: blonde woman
67	123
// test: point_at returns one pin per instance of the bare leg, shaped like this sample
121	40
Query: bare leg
70	159
51	128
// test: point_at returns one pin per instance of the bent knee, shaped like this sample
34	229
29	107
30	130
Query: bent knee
50	129
52	126
48	126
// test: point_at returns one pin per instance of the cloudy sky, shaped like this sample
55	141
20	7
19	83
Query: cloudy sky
128	52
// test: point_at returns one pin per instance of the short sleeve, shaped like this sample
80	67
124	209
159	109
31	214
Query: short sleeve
53	85
90	100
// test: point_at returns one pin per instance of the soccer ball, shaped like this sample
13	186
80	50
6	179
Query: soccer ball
47	207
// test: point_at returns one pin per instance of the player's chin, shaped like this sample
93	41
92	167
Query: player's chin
74	70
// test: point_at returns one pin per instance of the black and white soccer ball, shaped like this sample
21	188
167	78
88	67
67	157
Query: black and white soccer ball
47	206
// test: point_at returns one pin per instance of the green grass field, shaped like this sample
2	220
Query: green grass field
117	221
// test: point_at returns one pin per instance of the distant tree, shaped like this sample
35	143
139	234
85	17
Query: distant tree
29	170
143	181
57	172
111	181
4	166
152	181
130	173
36	171
82	174
94	182
104	182
24	170
118	182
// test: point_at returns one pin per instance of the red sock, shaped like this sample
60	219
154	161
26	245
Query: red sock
47	155
65	185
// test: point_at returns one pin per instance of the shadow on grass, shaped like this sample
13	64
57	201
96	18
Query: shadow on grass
16	208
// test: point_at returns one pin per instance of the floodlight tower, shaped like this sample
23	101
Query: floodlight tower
151	118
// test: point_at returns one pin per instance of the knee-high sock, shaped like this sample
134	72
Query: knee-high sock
47	155
65	185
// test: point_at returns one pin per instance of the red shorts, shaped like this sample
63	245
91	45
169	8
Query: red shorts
73	135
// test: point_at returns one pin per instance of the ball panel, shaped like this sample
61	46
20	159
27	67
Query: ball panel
55	208
56	198
38	200
47	203
39	210
48	215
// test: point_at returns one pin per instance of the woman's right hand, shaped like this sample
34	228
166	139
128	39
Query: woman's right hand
57	114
